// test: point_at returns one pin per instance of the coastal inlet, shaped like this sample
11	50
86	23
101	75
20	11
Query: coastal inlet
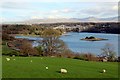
82	46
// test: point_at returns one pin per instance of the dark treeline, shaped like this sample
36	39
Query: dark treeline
103	27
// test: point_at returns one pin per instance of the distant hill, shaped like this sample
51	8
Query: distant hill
94	19
72	20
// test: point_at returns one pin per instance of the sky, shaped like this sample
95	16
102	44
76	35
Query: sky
21	10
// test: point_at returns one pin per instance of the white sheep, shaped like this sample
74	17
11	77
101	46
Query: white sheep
13	55
63	70
104	71
46	67
8	59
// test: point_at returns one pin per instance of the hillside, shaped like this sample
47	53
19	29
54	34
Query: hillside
22	67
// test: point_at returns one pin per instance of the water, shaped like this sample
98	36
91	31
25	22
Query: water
74	43
77	45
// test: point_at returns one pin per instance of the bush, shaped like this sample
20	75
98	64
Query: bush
108	51
67	53
86	37
3	42
91	37
16	53
80	56
39	50
7	37
10	52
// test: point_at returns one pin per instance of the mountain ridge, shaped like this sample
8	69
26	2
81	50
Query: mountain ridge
59	20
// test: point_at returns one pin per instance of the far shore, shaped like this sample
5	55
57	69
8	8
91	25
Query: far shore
25	35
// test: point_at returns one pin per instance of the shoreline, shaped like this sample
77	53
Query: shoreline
66	34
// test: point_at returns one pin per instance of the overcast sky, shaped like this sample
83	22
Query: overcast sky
21	10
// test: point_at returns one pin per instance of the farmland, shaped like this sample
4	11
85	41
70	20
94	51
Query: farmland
22	67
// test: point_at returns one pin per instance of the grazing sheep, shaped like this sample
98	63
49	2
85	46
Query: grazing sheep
63	70
46	67
13	55
104	71
8	59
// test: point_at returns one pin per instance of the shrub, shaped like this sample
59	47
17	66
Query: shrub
91	37
86	37
80	56
16	53
7	37
108	51
40	50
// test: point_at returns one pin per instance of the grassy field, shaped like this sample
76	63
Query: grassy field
5	49
22	67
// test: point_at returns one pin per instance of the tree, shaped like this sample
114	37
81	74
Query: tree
108	51
40	50
26	49
51	42
6	36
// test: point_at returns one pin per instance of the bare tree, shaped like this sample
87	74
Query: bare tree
108	51
51	42
26	49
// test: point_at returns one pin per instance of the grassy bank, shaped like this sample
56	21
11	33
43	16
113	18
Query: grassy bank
22	67
27	35
5	49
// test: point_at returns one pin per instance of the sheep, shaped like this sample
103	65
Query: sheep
13	55
46	67
8	59
63	70
103	71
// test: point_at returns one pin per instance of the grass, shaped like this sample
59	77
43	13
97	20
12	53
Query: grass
21	67
5	49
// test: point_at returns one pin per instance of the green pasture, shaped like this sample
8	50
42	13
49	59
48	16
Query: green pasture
22	67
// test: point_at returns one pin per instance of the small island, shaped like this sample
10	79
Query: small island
92	38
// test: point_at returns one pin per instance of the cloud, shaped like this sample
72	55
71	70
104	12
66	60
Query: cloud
29	9
62	11
37	17
115	7
54	16
60	1
55	11
2	19
67	10
102	10
92	11
14	5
